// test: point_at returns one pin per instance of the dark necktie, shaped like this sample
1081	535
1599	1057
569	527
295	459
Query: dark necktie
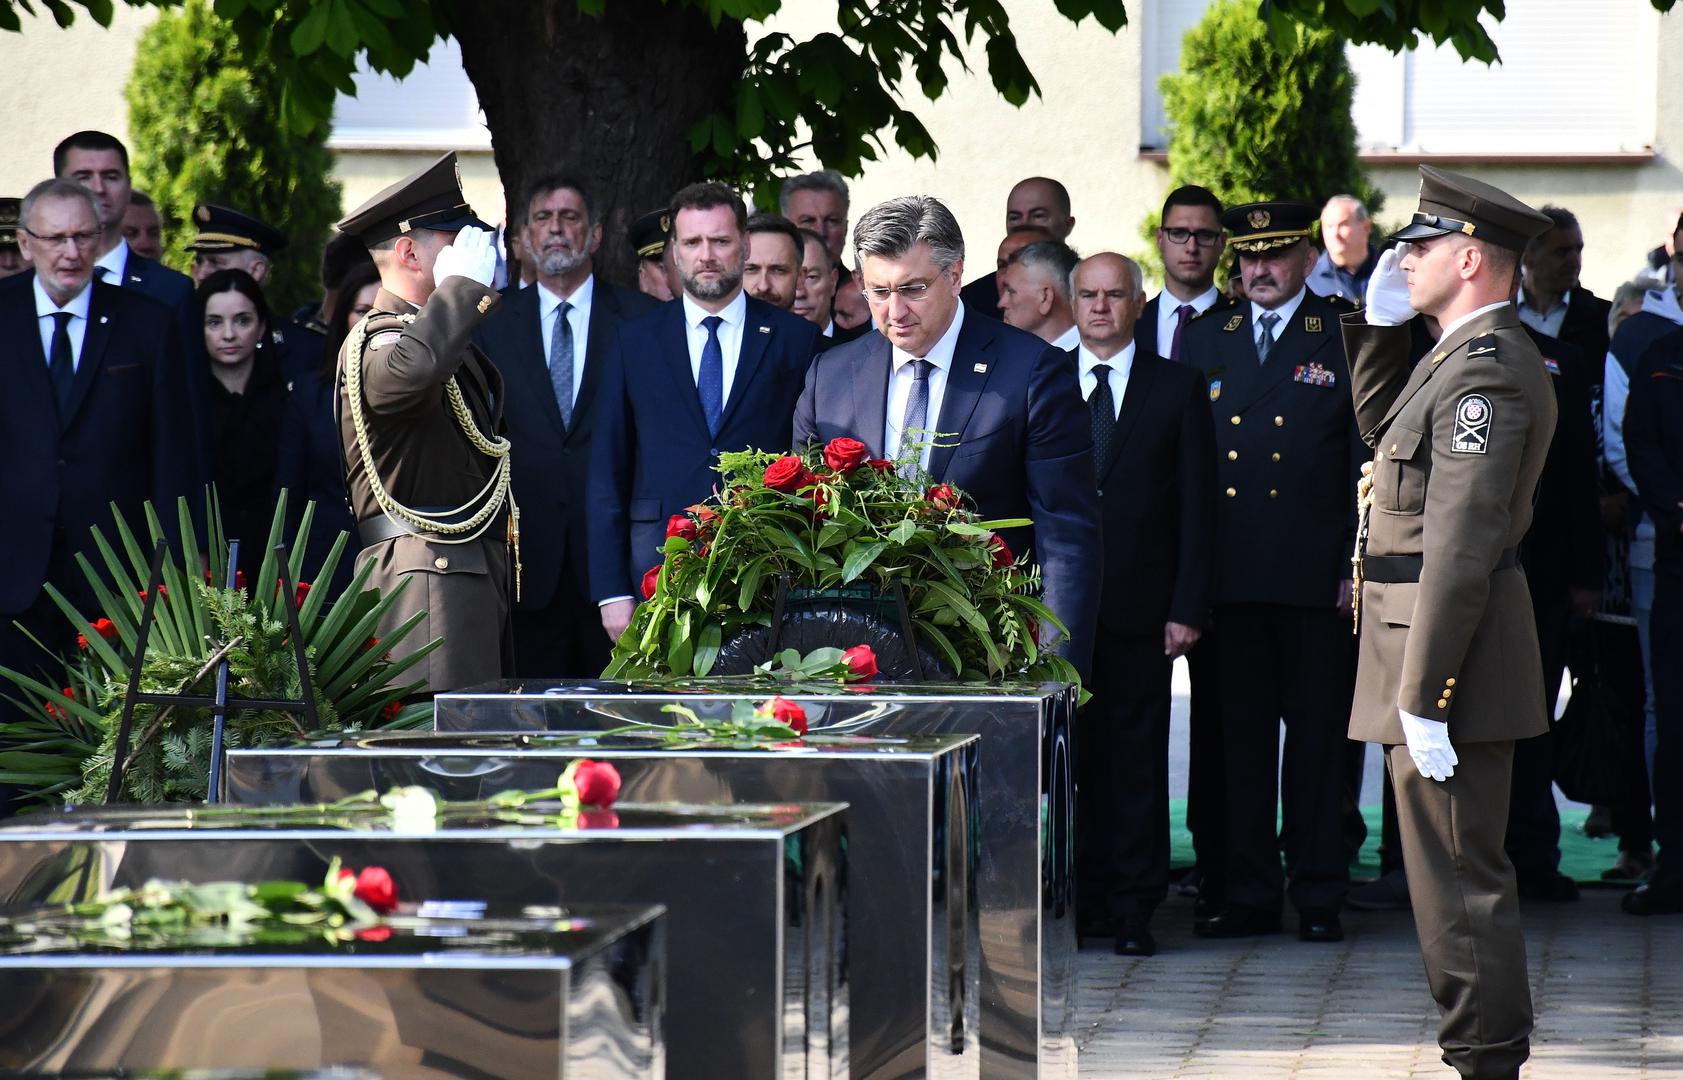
1265	344
916	419
711	384
1102	404
100	272
561	363
1183	315
61	364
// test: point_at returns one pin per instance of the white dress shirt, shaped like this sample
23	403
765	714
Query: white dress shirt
115	262
1120	366
578	317
900	389
1544	322
735	320
1467	318
1067	340
1285	311
1168	304
78	308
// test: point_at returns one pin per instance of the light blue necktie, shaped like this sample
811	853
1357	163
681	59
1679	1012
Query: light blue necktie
561	363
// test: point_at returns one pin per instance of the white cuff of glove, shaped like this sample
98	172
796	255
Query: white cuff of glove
1386	302
1429	746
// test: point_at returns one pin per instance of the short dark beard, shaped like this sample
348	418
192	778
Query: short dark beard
727	284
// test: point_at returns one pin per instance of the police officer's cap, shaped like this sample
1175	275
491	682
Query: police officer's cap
1259	227
649	232
430	199
224	229
10	213
1451	203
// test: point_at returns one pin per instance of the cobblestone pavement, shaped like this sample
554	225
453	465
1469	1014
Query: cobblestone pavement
1607	988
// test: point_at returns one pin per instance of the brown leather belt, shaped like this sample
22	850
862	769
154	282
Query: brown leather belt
1402	569
380	528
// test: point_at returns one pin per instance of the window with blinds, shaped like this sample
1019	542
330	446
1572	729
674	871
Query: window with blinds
433	108
1574	78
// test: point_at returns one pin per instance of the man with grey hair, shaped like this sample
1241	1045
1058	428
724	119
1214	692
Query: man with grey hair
94	415
1154	456
1348	255
1034	292
818	201
936	377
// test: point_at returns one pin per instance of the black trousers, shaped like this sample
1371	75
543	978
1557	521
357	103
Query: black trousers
562	640
1665	634
48	625
1122	778
1533	835
1206	780
1285	663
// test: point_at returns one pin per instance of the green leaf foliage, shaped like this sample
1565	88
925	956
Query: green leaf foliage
205	120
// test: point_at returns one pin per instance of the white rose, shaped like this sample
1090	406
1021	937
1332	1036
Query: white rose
413	809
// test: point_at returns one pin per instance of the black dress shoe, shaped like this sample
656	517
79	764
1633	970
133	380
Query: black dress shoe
1211	901
1238	922
1319	926
1134	939
1556	886
1647	900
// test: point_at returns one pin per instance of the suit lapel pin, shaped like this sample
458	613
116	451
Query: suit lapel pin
980	369
765	329
1312	324
1234	323
103	320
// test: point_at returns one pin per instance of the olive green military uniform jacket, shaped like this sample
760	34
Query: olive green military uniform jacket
427	463
1459	440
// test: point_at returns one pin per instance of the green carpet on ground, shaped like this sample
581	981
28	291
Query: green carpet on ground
1581	858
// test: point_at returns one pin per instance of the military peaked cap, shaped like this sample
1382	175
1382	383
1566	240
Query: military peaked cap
649	232
1263	226
430	199
10	213
1451	203
224	229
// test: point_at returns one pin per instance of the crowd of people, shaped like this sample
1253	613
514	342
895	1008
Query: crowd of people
1191	461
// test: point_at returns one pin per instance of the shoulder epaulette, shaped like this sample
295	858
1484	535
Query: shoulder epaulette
1482	347
1220	305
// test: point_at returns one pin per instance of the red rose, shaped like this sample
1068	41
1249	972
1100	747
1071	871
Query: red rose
789	713
844	455
680	526
881	465
861	661
1002	556
389	713
822	499
371	643
375	888
651	581
55	711
374	933
787	474
303	591
943	497
598	819
597	783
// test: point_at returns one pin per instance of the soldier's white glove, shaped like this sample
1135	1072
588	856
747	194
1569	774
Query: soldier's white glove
1428	745
1387	290
472	255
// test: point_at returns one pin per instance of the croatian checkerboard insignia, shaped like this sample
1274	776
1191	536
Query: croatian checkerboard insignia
1472	425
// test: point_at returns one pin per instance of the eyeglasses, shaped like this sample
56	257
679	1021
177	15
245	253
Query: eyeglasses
910	293
1203	237
80	240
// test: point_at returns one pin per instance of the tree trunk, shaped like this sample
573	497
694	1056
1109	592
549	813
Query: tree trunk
610	99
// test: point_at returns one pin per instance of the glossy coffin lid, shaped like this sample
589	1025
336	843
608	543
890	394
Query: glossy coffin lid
580	996
1025	814
755	928
912	916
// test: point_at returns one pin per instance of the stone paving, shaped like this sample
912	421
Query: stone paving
1607	988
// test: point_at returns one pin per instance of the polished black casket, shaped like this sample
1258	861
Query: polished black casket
1025	815
914	949
756	922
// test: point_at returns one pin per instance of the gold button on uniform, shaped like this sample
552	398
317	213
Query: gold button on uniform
1272	494
1449	682
1279	421
1233	455
1442	704
1275	456
1235	420
441	563
1231	492
1447	692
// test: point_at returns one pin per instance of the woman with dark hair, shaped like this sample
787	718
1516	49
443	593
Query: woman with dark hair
247	397
311	466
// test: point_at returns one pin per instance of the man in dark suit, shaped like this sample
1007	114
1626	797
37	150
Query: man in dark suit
1154	456
1013	432
1287	461
549	342
1037	202
94	414
712	371
1552	301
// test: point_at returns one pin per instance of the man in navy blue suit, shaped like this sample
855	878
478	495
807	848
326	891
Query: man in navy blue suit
549	342
1013	426
714	370
93	414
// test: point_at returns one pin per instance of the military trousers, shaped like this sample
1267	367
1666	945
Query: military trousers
1284	663
1466	905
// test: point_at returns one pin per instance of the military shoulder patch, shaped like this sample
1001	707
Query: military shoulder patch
383	338
1483	347
1472	425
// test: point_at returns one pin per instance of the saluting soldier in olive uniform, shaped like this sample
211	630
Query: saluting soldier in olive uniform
420	412
1449	674
1287	457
